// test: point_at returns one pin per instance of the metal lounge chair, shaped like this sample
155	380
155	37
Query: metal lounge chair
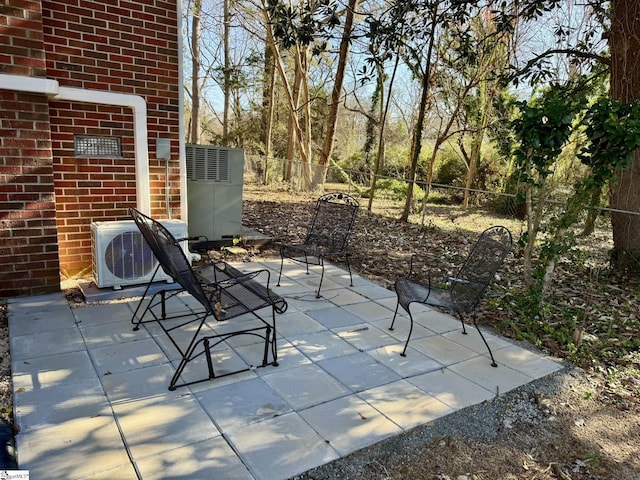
223	292
466	289
327	236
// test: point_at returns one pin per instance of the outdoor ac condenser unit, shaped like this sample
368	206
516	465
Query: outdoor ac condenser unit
214	191
120	256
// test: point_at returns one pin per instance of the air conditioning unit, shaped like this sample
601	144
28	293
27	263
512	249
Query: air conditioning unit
120	255
214	191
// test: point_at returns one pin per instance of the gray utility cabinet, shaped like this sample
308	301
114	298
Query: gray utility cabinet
214	191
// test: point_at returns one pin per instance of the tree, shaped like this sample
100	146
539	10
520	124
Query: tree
334	105
620	20
415	28
624	45
301	31
491	57
542	130
268	97
196	37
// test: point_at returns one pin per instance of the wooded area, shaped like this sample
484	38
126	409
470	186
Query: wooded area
535	98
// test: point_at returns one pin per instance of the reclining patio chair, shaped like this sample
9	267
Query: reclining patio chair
223	292
465	290
327	236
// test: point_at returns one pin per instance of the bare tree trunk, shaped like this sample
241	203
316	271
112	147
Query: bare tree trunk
534	216
384	110
268	97
334	105
227	72
478	138
303	143
416	141
302	54
291	147
196	35
379	161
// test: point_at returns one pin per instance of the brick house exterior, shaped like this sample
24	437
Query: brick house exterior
73	69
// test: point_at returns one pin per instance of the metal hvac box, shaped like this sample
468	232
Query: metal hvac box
214	191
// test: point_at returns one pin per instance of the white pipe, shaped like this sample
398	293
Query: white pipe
182	158
139	107
19	83
52	89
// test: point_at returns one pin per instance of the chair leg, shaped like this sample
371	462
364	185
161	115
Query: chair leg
406	344
274	345
464	328
346	258
321	276
281	265
134	319
475	322
394	316
267	341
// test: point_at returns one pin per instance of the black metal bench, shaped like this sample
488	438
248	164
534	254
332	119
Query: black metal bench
465	290
223	292
327	236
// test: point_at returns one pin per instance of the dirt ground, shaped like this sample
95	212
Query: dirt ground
572	425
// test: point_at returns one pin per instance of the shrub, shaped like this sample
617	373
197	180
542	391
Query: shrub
392	189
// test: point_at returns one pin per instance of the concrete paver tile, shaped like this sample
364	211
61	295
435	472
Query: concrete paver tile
73	449
349	424
163	422
281	447
206	460
52	370
241	403
405	404
452	389
305	386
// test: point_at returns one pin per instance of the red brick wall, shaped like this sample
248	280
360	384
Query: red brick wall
28	242
122	46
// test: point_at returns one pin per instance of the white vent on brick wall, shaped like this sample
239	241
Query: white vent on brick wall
207	163
120	256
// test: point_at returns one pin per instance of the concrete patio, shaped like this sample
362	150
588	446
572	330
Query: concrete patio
91	397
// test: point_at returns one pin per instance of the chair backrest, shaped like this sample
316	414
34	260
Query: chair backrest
480	267
170	255
333	220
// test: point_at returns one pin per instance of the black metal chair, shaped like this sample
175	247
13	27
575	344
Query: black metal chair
223	293
466	289
327	236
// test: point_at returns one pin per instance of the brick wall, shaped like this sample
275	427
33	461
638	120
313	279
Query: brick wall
122	46
28	242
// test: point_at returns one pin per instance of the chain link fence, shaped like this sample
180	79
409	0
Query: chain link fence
446	207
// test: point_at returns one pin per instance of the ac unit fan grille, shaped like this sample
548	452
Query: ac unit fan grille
128	257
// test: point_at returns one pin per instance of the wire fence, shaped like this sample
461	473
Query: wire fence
446	207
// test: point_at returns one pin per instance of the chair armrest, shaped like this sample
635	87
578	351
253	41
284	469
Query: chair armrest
234	277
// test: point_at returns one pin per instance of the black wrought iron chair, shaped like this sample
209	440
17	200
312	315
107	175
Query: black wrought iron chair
327	236
466	289
223	293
